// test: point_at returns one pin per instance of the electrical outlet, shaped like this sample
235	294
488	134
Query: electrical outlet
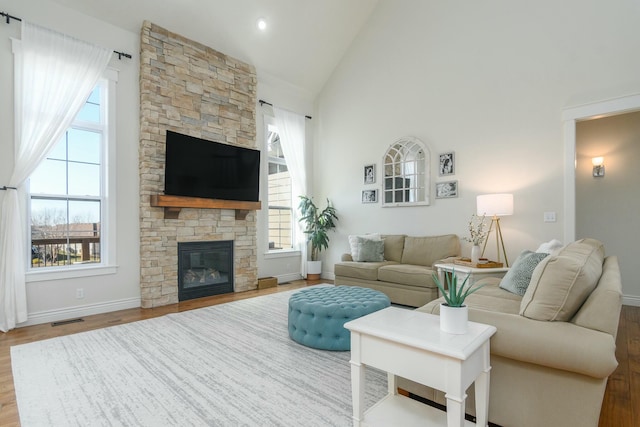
549	217
79	293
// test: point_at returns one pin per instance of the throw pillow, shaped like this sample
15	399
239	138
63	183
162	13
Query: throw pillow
370	250
561	283
354	240
550	247
518	277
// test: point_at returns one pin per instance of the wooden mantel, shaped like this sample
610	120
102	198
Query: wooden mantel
173	204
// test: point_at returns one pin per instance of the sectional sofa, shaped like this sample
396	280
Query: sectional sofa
555	345
398	265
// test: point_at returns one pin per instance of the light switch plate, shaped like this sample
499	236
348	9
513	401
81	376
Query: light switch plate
549	217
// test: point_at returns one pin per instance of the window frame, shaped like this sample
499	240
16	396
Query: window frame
269	121
108	208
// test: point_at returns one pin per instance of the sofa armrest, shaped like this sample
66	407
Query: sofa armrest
559	345
346	257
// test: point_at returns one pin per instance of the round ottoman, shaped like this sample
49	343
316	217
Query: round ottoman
317	315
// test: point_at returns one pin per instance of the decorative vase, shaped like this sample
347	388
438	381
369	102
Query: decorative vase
314	270
475	254
454	320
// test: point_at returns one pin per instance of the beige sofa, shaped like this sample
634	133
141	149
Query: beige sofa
404	271
555	346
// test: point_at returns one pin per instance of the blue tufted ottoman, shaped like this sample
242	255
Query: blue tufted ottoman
317	315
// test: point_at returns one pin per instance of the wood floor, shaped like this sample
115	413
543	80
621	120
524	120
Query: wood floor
621	406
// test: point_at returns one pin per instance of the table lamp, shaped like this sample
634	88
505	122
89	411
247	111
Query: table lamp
495	206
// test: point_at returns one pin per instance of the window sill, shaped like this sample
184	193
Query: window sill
282	253
69	273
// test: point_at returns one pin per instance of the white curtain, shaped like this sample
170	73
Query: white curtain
291	128
54	76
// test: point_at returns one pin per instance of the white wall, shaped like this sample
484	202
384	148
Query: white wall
487	80
55	300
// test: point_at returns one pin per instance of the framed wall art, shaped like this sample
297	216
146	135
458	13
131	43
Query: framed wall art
369	174
447	164
446	190
369	196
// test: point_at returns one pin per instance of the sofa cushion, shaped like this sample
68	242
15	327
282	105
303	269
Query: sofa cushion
561	283
429	249
405	274
393	247
356	242
519	275
359	270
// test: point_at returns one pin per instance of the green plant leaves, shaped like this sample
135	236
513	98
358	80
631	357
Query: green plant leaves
317	224
455	294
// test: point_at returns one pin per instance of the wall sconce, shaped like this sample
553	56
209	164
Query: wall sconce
598	166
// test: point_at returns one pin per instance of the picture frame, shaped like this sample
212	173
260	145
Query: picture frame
447	164
370	196
369	174
446	189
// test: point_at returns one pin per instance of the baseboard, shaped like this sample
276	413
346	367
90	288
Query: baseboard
289	277
79	311
328	275
631	300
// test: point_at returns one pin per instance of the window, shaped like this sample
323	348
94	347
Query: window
279	194
68	192
406	173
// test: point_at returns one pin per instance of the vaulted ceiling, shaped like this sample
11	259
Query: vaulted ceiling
303	42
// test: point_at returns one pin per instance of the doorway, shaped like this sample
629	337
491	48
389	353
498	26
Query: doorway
572	117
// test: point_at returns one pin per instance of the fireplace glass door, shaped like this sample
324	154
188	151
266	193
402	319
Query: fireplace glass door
204	269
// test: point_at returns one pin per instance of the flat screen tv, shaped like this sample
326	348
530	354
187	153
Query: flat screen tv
199	168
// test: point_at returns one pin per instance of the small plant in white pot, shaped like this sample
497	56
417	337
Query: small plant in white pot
316	225
454	315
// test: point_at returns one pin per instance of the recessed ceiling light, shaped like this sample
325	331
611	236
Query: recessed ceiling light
261	24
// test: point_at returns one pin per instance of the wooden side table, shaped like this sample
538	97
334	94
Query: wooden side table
410	344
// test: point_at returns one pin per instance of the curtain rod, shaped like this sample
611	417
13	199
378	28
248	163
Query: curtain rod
4	188
10	17
268	103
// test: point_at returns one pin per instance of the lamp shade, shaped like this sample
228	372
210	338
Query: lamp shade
495	204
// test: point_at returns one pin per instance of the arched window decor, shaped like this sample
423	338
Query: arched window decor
406	173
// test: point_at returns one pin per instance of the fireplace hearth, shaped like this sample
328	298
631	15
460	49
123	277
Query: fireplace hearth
204	269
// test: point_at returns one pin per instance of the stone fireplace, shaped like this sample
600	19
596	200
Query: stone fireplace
189	88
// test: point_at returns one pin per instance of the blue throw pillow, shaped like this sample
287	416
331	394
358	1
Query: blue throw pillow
519	275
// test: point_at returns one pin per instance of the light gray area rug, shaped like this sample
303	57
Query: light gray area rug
227	365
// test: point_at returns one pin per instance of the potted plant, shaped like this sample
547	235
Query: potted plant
316	225
454	315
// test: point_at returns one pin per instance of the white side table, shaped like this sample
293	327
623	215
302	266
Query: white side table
474	274
410	344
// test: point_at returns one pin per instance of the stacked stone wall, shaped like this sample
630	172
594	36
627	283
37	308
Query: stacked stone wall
192	89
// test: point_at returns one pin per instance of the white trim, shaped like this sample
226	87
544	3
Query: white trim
289	277
45	274
328	275
110	171
570	117
602	109
631	300
80	311
282	253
